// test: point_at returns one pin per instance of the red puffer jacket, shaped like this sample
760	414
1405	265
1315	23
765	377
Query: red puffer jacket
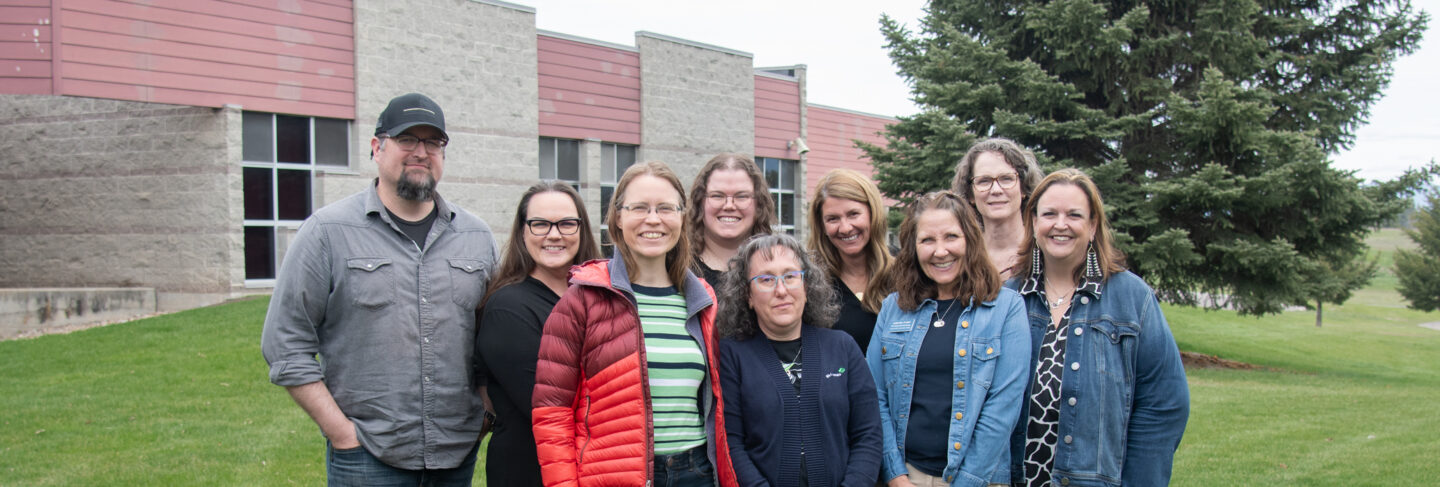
592	396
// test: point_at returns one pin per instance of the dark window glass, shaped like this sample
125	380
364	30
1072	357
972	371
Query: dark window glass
547	158
624	158
255	135
606	246
787	175
332	142
567	160
787	209
772	172
606	193
294	192
257	194
292	139
259	253
607	163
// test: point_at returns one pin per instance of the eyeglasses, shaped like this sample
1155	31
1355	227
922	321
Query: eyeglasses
642	210
540	227
741	199
409	142
983	183
768	282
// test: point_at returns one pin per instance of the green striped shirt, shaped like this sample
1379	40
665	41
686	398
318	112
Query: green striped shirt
677	368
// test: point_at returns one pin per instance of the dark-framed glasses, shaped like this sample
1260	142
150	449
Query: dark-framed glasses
768	282
983	183
642	210
540	227
741	200
409	142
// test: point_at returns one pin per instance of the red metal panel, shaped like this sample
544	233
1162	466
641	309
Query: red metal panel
831	136
25	50
588	91
284	56
166	64
777	117
24	15
24	86
143	31
191	51
122	91
25	69
221	17
142	78
25	33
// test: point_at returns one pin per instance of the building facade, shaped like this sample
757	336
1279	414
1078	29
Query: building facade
178	144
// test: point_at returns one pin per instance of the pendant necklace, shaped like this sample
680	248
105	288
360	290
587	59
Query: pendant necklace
940	318
1057	302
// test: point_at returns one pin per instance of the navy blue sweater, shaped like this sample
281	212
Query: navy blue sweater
836	416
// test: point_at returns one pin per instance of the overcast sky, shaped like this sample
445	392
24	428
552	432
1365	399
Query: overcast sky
840	43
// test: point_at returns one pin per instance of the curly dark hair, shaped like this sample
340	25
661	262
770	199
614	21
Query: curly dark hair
695	214
978	278
737	319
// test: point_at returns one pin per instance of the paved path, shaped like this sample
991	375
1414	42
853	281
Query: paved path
1433	325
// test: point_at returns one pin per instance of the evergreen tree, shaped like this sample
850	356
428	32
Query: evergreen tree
1206	124
1419	271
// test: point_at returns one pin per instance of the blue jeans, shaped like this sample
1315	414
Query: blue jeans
356	467
689	468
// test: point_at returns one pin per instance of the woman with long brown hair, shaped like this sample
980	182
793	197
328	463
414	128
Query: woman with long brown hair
948	354
551	232
729	202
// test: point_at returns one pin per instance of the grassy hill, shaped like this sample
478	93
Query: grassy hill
184	399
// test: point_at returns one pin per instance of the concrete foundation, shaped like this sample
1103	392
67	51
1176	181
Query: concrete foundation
31	312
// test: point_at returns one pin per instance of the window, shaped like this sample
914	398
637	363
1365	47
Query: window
560	159
780	177
614	160
278	158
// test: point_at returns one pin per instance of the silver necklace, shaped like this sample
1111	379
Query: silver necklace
940	318
1057	302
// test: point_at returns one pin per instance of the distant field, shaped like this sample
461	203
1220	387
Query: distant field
183	399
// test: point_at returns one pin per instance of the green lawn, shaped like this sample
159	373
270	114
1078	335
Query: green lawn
184	399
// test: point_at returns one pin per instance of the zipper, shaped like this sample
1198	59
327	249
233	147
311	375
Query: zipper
581	457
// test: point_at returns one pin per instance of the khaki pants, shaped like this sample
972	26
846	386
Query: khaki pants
922	479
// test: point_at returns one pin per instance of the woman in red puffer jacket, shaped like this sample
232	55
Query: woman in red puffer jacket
627	388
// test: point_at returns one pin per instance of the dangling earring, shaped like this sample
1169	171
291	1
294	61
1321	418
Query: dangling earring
1035	261
1092	260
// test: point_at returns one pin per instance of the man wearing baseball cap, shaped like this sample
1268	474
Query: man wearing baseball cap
381	287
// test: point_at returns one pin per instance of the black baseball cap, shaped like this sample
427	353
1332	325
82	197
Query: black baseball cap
407	111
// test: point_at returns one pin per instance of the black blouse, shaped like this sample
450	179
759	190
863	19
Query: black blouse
507	346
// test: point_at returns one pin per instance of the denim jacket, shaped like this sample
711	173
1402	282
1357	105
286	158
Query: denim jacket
990	363
1124	400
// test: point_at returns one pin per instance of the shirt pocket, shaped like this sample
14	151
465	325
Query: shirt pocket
370	281
1111	344
983	352
467	281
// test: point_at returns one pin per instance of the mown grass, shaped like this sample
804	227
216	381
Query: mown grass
184	399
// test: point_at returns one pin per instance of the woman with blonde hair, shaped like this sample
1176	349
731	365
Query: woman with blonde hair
627	389
848	237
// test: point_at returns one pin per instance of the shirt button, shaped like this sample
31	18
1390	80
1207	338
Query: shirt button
964	324
959	416
424	300
882	349
957	445
989	350
369	266
427	379
1079	330
1084	300
1072	401
1075	366
427	339
1068	439
1064	480
960	385
962	352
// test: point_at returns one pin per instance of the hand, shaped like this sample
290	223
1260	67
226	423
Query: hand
901	481
344	439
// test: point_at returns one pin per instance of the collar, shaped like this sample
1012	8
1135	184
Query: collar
1089	283
373	205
